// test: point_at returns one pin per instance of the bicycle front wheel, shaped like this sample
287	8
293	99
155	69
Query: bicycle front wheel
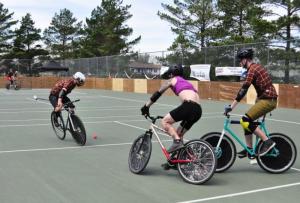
78	133
58	125
202	163
226	152
140	153
281	157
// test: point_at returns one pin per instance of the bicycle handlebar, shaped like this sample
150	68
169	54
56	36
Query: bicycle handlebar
153	118
70	102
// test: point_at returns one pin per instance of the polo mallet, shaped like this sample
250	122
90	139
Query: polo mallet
38	98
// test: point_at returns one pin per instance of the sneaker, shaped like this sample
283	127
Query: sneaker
168	166
177	144
244	153
266	147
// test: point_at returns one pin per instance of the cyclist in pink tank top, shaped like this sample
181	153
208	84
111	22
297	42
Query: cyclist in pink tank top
188	112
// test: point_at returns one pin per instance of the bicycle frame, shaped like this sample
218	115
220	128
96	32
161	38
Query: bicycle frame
226	128
168	156
69	119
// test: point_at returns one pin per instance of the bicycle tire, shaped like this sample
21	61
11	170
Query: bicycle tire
226	153
59	128
140	153
204	163
79	134
7	86
17	86
284	160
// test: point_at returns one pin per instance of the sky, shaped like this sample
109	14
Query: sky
155	34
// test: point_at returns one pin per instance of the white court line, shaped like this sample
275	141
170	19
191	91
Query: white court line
296	169
271	119
66	148
241	193
134	100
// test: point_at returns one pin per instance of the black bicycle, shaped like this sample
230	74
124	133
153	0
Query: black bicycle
15	85
73	124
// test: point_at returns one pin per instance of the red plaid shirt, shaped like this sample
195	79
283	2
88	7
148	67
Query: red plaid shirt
67	85
258	76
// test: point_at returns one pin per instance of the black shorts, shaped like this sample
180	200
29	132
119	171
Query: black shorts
188	112
53	100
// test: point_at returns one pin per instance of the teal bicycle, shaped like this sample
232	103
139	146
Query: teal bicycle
279	159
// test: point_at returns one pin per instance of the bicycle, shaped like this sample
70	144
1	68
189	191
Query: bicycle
15	85
73	124
196	161
278	160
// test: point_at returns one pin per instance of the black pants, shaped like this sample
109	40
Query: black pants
53	100
188	112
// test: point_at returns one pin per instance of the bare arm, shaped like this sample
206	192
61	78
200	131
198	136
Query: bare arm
157	94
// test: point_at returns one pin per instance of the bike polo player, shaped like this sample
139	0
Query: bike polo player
258	76
188	112
58	94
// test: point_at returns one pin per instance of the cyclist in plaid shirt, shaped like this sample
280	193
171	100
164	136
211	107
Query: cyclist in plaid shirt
258	76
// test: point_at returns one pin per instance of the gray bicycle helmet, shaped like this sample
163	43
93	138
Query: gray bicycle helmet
245	53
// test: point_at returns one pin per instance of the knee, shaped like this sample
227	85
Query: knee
165	124
248	125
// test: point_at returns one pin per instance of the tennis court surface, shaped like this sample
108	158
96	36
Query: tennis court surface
38	167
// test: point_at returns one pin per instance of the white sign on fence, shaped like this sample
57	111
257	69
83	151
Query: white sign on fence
229	71
200	72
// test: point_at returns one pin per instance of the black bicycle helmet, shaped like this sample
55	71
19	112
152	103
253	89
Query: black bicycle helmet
176	70
245	53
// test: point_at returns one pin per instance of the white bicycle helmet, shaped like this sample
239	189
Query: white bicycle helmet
80	77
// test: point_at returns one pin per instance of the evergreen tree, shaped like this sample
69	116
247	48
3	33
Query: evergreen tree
195	19
63	35
5	32
242	21
106	32
25	44
288	20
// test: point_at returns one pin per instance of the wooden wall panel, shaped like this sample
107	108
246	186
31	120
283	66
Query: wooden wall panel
140	85
204	90
128	85
153	86
117	84
289	95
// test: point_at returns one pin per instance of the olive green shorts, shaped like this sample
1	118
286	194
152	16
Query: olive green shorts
261	107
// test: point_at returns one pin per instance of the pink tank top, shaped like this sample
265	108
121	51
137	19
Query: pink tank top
182	84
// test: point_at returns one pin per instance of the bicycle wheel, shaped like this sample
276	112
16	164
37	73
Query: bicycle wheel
17	86
7	86
225	153
203	162
58	125
140	153
78	133
281	157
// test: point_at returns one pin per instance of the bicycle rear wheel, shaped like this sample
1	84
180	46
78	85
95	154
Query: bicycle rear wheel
281	157
140	153
58	125
225	153
7	86
203	162
78	133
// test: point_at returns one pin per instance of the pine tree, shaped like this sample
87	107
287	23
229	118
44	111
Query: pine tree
106	32
288	19
195	19
5	29
25	44
63	35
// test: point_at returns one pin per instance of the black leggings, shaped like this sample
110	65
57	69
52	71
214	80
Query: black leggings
188	112
53	100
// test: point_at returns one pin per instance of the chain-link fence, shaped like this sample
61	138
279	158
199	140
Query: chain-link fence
283	65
